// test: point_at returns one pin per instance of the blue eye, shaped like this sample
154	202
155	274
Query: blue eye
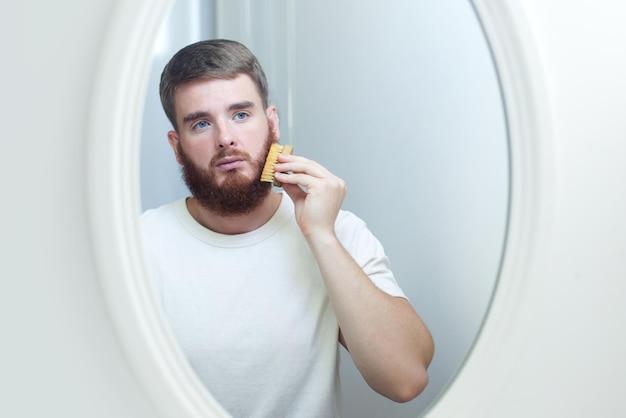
201	125
241	116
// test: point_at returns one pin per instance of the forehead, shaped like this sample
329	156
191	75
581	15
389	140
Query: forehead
215	93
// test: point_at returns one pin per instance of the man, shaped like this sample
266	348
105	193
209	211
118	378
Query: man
260	286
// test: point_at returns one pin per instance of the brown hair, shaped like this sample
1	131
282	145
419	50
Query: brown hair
216	58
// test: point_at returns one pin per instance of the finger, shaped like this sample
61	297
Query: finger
301	179
297	164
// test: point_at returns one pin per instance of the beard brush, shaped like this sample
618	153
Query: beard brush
272	158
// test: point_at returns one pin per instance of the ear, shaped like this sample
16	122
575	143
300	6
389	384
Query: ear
272	117
173	139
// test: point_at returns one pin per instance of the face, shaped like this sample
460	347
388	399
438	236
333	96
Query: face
223	137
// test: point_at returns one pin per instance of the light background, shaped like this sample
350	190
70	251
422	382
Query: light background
552	346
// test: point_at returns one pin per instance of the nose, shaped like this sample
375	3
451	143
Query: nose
225	136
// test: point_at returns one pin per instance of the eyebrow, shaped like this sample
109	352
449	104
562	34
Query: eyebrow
245	104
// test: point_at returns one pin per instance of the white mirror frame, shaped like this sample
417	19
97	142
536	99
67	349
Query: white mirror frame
114	208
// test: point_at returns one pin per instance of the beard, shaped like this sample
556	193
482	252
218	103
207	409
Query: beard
237	194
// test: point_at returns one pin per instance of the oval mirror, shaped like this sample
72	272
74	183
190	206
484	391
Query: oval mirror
402	100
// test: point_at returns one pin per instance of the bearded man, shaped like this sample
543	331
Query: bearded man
261	286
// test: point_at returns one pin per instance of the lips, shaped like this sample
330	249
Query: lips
229	163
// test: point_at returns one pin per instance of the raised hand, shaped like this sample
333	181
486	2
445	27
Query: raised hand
316	192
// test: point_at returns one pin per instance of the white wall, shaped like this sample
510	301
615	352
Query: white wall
61	356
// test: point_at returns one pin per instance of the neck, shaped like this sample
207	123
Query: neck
237	224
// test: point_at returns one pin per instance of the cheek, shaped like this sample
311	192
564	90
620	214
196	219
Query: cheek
196	152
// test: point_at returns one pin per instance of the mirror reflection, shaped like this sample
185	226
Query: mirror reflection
405	107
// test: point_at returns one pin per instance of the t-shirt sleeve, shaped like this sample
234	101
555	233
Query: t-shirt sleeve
367	251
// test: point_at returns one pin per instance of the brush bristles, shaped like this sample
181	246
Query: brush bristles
272	158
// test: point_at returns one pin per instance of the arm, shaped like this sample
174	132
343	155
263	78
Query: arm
387	340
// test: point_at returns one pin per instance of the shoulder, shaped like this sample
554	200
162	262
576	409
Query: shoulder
355	236
160	217
348	225
367	251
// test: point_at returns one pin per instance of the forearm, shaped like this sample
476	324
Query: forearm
387	340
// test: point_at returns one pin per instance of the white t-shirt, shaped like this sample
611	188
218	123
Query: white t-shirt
251	312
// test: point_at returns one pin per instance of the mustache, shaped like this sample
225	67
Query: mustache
229	153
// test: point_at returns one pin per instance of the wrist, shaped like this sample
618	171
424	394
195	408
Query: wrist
321	239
